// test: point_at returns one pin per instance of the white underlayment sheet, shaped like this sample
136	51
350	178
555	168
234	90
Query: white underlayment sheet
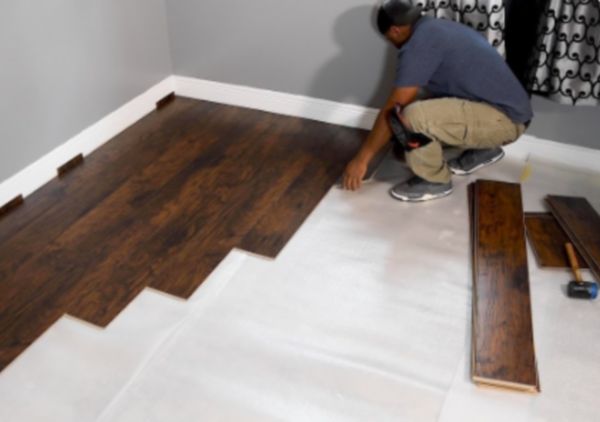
75	369
364	316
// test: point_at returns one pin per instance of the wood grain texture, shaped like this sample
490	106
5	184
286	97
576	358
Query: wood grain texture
548	239
581	222
503	350
161	205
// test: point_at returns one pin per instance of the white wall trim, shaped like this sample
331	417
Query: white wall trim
43	170
567	154
360	117
277	102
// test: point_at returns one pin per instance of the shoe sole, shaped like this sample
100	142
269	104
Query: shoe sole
426	197
460	172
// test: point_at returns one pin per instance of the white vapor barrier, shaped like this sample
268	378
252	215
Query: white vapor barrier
74	370
545	178
364	316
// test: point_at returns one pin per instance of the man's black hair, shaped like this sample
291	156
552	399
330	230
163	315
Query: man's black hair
396	13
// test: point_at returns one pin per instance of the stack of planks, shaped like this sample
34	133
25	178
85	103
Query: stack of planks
548	241
582	225
503	353
572	219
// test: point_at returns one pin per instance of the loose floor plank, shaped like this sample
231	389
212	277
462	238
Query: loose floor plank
581	222
503	350
548	241
160	205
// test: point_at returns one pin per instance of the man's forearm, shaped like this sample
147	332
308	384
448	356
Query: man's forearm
377	139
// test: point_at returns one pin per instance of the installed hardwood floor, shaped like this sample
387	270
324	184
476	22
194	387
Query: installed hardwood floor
161	205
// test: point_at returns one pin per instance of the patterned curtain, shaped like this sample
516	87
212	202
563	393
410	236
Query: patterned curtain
566	62
552	46
485	16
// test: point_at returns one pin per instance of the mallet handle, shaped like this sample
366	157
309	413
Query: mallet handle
573	261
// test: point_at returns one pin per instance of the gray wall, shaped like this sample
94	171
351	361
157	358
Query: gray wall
64	64
324	49
67	63
568	124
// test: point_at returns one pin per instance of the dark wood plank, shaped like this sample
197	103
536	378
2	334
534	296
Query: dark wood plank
274	229
503	348
160	205
95	236
548	241
182	270
52	209
163	102
581	222
35	292
89	238
189	206
70	165
11	205
272	232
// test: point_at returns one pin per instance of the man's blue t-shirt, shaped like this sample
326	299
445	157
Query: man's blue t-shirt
450	59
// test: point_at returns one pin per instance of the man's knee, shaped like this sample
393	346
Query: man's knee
403	129
413	117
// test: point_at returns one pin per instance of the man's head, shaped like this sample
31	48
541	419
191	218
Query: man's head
395	19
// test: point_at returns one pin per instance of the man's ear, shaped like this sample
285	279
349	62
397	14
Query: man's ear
395	30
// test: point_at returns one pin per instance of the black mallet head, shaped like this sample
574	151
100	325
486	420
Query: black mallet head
579	289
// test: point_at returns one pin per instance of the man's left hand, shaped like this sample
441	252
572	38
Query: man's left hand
354	174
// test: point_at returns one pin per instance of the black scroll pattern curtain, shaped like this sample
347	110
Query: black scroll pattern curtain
485	16
552	46
565	65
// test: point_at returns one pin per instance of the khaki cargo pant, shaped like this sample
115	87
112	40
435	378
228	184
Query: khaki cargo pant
456	122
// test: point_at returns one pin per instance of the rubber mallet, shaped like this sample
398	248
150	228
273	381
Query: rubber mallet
579	289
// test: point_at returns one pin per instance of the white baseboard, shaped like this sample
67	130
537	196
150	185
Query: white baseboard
361	117
277	102
44	169
569	155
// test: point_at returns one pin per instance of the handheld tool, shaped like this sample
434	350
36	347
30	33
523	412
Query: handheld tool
579	289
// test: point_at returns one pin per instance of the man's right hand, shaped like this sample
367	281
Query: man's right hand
354	174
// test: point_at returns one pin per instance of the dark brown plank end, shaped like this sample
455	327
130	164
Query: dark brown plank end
163	102
70	165
11	205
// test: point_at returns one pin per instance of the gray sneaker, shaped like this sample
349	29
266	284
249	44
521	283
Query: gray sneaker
418	190
474	159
